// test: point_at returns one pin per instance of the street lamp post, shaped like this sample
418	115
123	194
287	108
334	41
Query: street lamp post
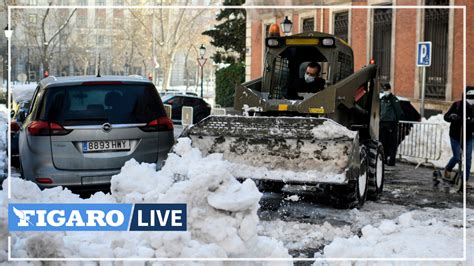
8	35
286	25
201	62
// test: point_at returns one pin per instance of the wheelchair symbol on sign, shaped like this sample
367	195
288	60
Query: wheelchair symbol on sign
424	54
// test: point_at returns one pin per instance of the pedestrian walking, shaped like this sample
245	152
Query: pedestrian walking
469	130
454	116
390	113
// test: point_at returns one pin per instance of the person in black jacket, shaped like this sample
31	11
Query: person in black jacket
470	128
454	116
390	113
311	83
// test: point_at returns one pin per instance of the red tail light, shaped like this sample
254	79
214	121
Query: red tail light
14	126
43	128
44	180
160	124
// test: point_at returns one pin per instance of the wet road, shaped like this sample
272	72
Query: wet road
405	189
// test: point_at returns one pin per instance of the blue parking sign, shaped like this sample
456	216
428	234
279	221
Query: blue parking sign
423	58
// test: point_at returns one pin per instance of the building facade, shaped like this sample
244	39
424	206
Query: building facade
389	36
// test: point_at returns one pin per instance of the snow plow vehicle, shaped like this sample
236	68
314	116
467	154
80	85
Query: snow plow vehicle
328	138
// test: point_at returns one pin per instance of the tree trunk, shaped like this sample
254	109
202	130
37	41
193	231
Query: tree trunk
86	64
167	71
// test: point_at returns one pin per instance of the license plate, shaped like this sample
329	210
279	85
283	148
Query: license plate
106	145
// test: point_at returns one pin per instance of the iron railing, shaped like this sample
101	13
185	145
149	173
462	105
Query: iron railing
419	140
341	25
308	25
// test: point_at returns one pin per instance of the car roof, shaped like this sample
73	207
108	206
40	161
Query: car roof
76	80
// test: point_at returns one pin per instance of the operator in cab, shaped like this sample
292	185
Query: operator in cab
311	83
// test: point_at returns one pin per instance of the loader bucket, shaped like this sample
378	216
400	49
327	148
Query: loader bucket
290	149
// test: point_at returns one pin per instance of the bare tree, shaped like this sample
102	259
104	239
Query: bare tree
175	29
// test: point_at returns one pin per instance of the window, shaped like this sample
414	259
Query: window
82	2
100	40
32	18
81	18
345	66
100	2
308	24
118	18
100	19
118	2
382	42
341	25
96	104
33	2
436	31
279	78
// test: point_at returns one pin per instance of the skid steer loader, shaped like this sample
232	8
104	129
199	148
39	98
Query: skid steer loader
328	138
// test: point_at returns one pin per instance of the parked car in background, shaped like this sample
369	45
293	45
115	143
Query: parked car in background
201	109
176	92
81	130
18	115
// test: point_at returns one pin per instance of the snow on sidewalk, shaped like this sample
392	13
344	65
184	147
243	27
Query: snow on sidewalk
415	234
222	214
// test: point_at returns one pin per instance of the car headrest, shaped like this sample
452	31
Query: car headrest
112	98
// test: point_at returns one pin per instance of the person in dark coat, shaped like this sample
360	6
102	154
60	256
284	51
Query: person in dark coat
390	113
454	116
470	129
311	83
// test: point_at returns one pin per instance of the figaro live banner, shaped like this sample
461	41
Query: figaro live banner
96	217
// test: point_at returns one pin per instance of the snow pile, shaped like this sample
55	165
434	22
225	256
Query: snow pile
332	130
322	158
427	139
296	235
222	213
406	237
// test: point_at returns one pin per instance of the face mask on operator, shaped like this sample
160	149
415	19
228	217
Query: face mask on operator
308	78
470	97
387	93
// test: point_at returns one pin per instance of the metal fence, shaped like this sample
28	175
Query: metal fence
419	140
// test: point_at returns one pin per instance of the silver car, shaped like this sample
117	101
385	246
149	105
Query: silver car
81	130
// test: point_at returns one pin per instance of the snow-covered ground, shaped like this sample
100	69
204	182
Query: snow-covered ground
223	221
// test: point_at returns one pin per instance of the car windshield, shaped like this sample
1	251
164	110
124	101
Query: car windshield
98	104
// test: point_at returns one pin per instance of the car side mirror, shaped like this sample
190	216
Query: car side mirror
12	113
